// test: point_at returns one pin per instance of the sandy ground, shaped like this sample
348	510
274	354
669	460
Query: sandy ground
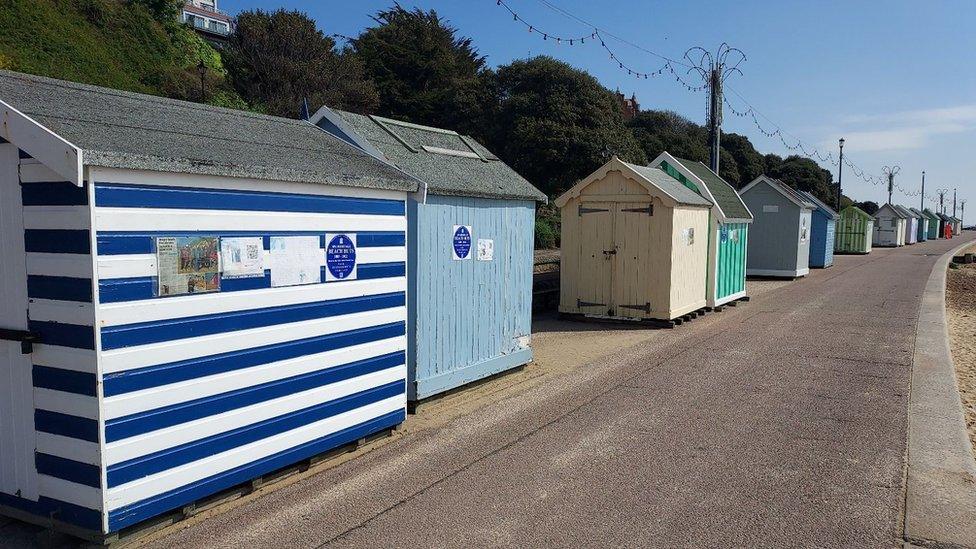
961	312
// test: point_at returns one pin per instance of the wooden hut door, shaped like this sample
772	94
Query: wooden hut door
18	472
631	228
596	258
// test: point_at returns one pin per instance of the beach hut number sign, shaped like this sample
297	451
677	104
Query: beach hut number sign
461	244
340	257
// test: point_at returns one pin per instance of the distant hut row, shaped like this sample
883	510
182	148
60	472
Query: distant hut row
899	226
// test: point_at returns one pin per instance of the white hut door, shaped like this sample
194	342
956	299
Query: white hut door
596	257
631	229
18	474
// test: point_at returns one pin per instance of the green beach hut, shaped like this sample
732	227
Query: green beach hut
728	234
855	230
933	224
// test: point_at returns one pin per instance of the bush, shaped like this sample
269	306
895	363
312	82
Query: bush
546	229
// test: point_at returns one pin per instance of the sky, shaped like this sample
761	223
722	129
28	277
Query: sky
894	78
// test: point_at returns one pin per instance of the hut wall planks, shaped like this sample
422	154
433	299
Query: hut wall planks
484	304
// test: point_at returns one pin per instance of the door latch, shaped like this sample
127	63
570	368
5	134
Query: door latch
26	339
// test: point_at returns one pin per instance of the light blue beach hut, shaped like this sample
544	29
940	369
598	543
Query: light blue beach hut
470	239
822	232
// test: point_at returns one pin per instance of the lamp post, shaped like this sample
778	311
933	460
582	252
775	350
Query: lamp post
923	190
202	69
840	172
953	202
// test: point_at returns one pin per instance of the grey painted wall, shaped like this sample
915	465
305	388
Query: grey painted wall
774	238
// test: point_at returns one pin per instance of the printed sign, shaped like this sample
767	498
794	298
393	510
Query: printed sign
771	209
688	236
187	265
723	234
486	249
295	260
734	235
803	231
461	243
242	257
340	257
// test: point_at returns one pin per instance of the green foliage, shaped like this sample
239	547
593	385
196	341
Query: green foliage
659	131
556	123
278	59
113	43
546	234
806	175
424	72
164	11
868	206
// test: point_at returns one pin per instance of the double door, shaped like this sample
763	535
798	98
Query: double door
613	262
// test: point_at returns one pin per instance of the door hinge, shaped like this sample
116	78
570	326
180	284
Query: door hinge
583	210
26	339
581	303
649	210
645	307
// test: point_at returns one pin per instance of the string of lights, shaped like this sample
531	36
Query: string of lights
672	68
795	144
599	36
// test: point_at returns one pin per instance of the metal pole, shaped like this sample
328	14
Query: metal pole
923	190
840	172
715	118
953	202
891	185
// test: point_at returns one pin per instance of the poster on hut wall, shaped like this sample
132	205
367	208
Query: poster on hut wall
242	257
295	260
187	265
486	249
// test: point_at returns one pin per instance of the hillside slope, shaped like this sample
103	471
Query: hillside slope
112	43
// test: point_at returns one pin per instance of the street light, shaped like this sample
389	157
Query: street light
840	172
202	69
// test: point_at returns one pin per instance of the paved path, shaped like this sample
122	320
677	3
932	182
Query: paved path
779	423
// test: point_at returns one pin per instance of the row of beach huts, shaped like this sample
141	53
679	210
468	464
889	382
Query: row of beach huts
672	240
196	297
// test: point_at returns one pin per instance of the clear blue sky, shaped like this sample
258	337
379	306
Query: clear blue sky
897	79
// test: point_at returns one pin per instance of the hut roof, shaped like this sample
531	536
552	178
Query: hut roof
790	193
895	212
725	195
117	129
908	213
827	210
854	210
448	162
670	185
653	179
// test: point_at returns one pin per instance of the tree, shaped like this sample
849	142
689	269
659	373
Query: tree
276	60
749	162
557	123
424	72
660	131
868	206
806	175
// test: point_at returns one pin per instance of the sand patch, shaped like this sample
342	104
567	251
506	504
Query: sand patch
961	313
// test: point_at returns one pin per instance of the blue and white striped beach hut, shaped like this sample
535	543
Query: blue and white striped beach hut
193	297
470	239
